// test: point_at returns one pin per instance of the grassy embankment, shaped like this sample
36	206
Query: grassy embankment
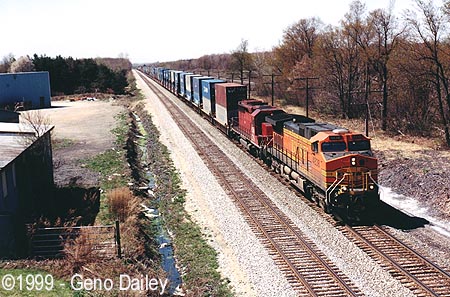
198	260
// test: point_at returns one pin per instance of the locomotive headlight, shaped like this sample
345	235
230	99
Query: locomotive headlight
371	187
353	161
344	189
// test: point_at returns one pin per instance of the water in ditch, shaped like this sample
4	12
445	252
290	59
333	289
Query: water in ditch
168	262
164	242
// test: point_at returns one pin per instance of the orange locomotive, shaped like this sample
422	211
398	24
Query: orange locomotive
331	165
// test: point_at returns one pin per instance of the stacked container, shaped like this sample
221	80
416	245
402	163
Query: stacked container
189	94
183	83
173	75
209	95
197	87
176	82
227	97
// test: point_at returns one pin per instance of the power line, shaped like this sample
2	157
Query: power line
272	84
307	79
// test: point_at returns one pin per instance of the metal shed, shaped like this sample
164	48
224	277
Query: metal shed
26	176
30	88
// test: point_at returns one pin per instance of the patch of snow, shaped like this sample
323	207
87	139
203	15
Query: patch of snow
412	207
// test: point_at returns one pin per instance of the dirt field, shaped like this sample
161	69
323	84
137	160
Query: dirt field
82	130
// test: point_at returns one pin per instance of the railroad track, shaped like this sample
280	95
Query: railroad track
421	276
414	271
308	270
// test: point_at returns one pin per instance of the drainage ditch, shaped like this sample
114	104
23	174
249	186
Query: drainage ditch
150	210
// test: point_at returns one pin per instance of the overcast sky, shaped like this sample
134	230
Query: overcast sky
163	30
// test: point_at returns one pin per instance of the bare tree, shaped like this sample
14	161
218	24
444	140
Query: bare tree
23	64
299	41
347	57
302	36
334	60
378	39
430	29
6	62
35	123
242	59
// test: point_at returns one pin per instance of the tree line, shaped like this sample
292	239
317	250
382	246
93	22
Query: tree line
75	76
392	69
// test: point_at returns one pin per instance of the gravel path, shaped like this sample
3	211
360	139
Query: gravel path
212	209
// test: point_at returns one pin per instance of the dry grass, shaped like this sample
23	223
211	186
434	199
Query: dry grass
80	252
121	203
132	241
125	207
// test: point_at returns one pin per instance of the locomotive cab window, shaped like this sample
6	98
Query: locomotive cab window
315	147
333	147
363	145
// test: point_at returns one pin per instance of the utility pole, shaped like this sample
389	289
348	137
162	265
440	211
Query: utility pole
307	79
272	83
232	76
367	91
249	83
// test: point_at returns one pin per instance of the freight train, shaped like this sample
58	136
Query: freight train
330	165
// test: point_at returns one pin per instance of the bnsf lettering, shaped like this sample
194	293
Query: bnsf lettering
316	162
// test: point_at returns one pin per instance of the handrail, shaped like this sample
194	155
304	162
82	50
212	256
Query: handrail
334	185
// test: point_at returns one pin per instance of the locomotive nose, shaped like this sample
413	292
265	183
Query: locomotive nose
356	175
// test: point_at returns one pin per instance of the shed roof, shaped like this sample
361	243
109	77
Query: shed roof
31	73
14	139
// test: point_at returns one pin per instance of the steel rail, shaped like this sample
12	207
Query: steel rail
419	283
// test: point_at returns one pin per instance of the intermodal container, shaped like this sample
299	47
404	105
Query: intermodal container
197	82
167	78
183	83
190	86
227	97
161	74
209	96
176	82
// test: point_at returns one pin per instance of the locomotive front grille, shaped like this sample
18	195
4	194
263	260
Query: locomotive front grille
355	179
